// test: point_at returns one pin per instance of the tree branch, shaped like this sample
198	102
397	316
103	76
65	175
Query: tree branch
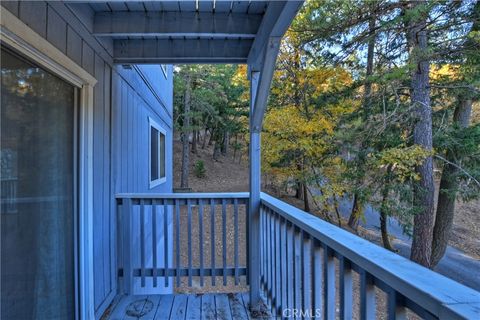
459	168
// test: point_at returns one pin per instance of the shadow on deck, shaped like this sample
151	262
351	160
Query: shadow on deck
222	306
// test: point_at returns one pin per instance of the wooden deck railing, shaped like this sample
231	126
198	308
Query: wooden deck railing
309	268
182	239
305	260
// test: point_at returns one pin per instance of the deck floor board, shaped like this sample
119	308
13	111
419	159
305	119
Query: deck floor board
164	307
232	306
208	307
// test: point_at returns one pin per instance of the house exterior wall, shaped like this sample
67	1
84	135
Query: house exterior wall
131	112
123	100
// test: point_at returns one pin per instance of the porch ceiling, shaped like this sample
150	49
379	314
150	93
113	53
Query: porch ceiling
191	31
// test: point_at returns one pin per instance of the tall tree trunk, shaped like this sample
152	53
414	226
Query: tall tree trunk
337	212
210	140
448	189
356	208
306	203
194	142
204	138
298	190
217	148
383	212
370	56
422	135
449	183
384	230
236	146
226	143
185	136
354	218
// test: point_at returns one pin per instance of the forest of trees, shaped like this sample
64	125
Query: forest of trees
377	101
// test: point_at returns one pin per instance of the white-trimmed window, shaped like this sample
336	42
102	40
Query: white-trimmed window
157	154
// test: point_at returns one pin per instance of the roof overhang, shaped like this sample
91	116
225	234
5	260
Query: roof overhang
176	32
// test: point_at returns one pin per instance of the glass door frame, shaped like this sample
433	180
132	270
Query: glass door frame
20	38
75	175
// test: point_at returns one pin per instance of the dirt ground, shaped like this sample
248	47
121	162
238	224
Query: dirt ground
221	176
466	228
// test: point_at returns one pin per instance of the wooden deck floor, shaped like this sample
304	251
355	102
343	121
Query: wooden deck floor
182	307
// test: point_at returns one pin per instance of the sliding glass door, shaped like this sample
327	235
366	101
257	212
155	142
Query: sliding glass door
38	187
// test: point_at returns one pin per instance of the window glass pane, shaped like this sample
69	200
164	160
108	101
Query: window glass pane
162	155
37	185
153	154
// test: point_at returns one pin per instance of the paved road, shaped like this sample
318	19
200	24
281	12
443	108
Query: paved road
455	264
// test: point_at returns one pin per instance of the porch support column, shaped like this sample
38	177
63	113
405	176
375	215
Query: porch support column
254	202
260	82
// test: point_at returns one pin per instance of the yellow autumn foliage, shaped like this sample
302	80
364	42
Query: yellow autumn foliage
402	161
445	71
298	132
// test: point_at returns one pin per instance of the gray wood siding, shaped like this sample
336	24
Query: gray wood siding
68	27
134	102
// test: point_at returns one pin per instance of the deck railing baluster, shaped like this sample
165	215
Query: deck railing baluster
189	244
154	242
396	306
367	296
307	269
127	210
224	240
345	289
236	237
270	260
247	240
177	236
317	277
200	235
165	242
329	282
262	248
265	248
274	263
290	270
278	292
212	239
142	242
283	264
297	268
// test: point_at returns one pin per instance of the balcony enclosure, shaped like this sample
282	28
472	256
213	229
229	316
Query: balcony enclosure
278	261
284	262
305	264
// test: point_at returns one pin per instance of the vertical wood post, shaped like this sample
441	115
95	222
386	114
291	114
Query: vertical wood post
127	214
254	201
